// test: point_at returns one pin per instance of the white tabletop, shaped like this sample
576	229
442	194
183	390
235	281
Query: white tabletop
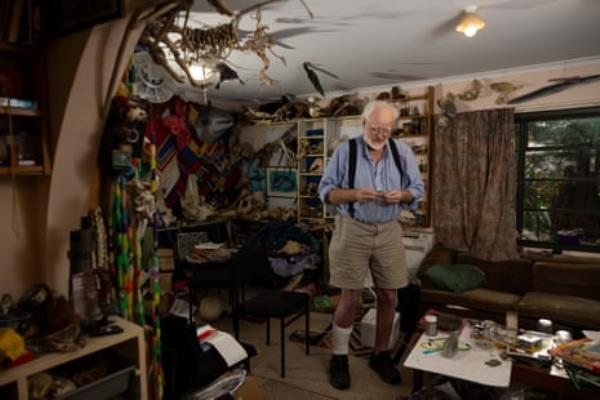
467	365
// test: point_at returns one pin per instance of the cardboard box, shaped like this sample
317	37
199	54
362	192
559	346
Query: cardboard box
250	390
368	329
166	262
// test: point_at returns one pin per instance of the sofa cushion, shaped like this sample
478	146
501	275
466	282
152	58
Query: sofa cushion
438	255
482	299
581	280
578	311
456	277
512	276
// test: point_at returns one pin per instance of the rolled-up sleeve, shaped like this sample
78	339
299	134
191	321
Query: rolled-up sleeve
334	173
416	187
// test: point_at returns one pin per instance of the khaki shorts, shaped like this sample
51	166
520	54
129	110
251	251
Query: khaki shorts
356	246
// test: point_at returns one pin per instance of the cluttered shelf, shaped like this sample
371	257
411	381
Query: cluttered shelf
312	137
310	174
359	117
18	48
412	135
23	170
20	112
131	333
335	119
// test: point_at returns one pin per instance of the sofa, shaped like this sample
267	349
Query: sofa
564	290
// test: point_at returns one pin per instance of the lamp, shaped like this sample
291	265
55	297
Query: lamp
202	73
470	23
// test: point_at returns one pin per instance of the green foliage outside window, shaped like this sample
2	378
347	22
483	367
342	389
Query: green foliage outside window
559	179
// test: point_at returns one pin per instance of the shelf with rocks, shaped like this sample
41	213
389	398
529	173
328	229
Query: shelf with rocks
311	161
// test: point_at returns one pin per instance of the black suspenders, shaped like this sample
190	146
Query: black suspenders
352	167
351	172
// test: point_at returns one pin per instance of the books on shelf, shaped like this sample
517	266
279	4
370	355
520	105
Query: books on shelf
18	103
20	21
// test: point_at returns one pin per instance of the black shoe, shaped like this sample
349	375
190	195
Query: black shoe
339	374
384	366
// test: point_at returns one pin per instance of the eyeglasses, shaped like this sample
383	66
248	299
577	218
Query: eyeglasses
376	130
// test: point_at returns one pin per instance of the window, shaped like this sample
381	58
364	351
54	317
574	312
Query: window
558	187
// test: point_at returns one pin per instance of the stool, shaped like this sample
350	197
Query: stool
281	305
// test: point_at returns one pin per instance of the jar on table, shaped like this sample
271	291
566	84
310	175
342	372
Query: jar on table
431	325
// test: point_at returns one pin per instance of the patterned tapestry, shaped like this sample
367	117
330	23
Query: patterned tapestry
180	153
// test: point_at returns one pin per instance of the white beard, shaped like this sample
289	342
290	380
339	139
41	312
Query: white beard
373	145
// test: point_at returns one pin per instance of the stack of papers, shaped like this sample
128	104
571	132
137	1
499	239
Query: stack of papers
229	348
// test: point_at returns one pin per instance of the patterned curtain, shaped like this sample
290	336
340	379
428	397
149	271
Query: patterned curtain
475	184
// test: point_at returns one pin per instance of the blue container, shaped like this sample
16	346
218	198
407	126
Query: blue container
314	132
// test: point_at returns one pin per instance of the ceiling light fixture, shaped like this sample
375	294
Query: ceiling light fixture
470	22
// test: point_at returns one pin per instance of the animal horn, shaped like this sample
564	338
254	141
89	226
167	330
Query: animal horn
221	7
254	7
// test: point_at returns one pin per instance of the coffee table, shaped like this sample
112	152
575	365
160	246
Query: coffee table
470	366
467	365
541	378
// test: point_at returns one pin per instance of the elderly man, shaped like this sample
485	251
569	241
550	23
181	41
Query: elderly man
369	179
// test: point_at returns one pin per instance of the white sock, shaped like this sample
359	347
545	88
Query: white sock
340	339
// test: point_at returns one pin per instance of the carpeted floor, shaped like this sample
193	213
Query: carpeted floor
307	376
272	389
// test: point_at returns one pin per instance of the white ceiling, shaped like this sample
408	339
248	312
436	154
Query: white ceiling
385	42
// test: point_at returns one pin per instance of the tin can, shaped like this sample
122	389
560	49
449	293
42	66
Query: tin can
563	336
544	325
431	325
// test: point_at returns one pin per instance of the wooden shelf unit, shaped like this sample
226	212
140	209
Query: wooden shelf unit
18	48
423	137
130	346
304	177
23	170
22	76
20	112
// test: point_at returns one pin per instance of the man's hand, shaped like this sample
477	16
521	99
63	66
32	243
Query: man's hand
364	195
397	196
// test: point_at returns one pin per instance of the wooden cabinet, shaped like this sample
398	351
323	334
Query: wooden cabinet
23	126
128	346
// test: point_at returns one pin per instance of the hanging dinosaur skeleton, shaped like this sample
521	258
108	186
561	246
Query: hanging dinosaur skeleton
166	39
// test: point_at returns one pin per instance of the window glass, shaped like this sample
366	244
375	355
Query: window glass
558	200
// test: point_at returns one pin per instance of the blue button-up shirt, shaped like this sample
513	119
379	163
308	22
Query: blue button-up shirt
381	176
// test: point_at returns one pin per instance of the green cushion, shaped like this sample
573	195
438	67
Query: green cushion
456	277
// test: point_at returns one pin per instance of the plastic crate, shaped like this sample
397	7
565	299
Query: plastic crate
103	388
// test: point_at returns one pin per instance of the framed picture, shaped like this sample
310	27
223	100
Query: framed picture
65	16
281	182
256	177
